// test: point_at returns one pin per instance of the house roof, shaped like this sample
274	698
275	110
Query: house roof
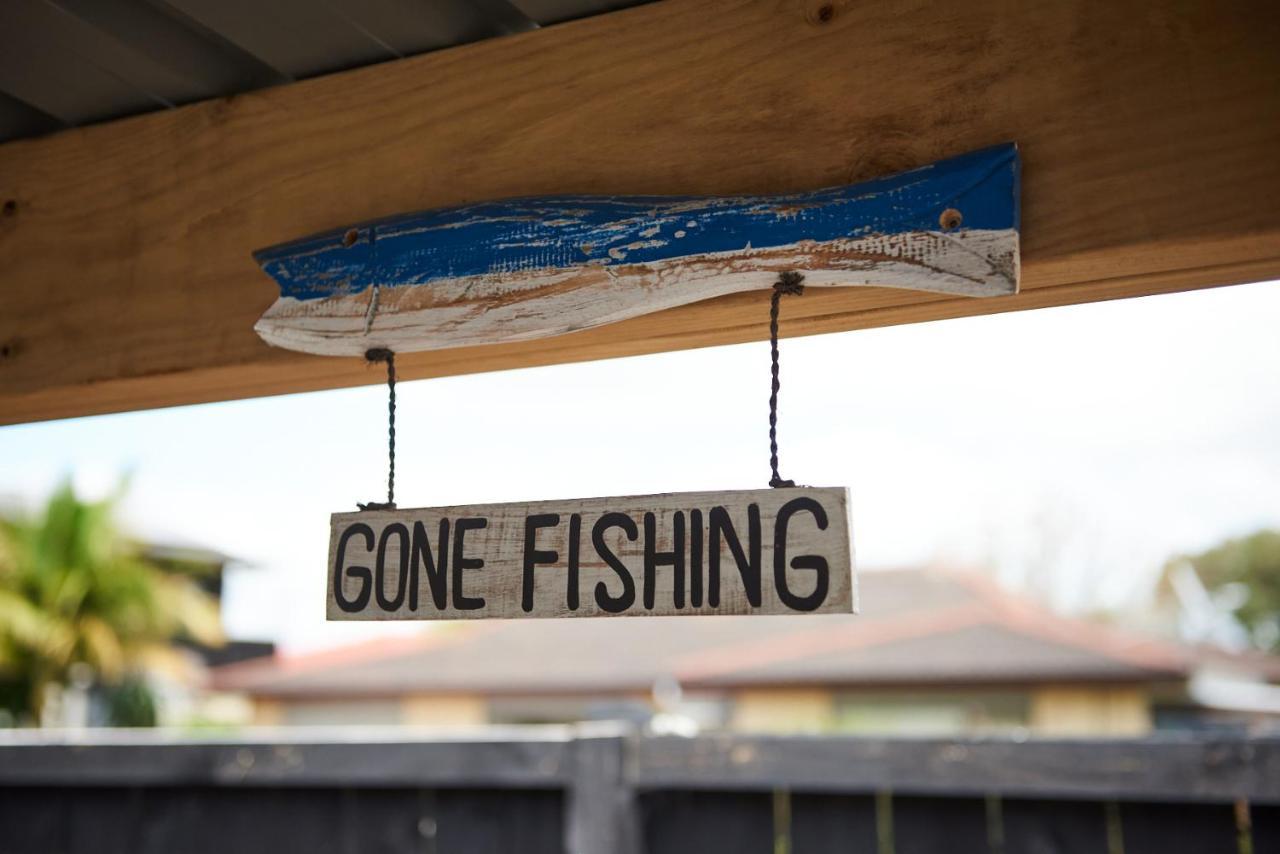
917	628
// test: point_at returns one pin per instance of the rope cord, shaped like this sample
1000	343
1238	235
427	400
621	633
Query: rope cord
788	284
383	355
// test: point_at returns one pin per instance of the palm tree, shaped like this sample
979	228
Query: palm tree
75	594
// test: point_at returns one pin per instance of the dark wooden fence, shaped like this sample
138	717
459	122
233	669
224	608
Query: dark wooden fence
552	790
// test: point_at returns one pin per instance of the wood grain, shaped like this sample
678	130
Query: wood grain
1148	134
519	270
767	551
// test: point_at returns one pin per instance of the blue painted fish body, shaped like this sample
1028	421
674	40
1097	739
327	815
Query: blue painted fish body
526	268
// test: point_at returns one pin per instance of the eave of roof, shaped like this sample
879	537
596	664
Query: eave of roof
920	629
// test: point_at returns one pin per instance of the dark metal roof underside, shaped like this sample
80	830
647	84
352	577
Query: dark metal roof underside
66	63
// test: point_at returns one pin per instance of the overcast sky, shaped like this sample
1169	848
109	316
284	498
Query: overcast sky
1069	450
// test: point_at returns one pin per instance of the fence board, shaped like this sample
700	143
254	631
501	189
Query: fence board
939	825
704	795
1165	768
142	759
207	820
1053	827
32	821
382	821
833	824
1178	828
1265	821
500	822
103	820
684	822
200	819
600	810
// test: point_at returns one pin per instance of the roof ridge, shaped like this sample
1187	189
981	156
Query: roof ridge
1025	615
866	632
370	649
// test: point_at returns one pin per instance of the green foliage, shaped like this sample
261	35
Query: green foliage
1254	562
74	590
130	704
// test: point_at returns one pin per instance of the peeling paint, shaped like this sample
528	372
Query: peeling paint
447	277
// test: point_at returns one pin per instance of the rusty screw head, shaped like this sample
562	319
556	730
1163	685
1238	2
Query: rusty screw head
349	239
950	219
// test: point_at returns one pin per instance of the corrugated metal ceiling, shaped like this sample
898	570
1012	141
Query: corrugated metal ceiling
65	63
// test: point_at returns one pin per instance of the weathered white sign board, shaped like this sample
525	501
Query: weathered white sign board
768	551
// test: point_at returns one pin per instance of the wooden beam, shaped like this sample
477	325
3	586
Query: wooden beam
1148	133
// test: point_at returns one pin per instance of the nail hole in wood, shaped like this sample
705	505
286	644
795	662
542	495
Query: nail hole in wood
826	12
10	207
950	219
350	238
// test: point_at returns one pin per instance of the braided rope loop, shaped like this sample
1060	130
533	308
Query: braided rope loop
788	284
383	355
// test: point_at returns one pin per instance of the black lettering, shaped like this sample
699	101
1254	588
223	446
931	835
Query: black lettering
614	605
748	566
532	556
575	534
695	558
380	584
362	572
461	562
653	559
814	562
437	569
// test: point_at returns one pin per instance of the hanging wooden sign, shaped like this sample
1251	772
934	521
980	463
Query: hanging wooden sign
530	268
768	551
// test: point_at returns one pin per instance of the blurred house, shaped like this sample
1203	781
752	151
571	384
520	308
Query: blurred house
182	691
932	653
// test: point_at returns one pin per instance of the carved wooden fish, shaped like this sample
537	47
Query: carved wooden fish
531	268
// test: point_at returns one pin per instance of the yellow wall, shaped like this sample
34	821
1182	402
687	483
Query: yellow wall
1082	710
941	712
1059	710
445	710
267	712
782	711
1056	710
441	710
